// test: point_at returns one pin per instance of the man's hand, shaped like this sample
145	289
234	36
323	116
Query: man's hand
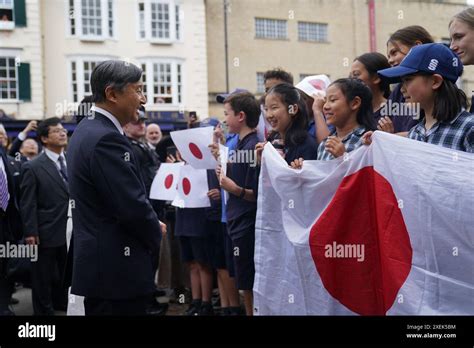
214	194
163	228
33	240
32	125
335	146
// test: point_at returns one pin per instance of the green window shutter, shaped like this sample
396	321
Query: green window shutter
24	81
20	13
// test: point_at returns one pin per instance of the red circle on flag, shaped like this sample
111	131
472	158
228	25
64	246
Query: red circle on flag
168	181
186	186
195	150
360	244
318	84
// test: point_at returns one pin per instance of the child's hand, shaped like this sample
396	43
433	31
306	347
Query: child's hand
228	184
163	228
385	124
297	163
214	150
259	148
335	146
367	138
218	135
214	194
170	159
318	103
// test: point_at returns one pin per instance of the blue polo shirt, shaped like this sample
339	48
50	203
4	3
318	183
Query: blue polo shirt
243	174
231	142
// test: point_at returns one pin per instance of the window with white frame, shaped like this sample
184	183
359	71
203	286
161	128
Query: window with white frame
81	71
266	28
159	21
8	79
91	19
260	83
6	14
163	81
315	32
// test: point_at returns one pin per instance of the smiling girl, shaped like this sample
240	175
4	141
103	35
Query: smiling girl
398	46
365	68
461	31
348	108
429	74
286	112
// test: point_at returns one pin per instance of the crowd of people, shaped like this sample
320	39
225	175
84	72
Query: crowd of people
126	249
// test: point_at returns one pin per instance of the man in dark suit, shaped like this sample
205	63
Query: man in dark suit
116	230
44	205
9	227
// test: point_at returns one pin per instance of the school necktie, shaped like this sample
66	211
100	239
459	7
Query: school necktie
62	169
4	194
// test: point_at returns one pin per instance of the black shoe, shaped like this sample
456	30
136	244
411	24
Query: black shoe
14	301
235	311
157	309
160	293
194	308
206	309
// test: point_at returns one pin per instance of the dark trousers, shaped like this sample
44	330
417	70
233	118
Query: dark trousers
5	288
47	274
100	306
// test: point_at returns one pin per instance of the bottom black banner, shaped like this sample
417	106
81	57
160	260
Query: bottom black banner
430	331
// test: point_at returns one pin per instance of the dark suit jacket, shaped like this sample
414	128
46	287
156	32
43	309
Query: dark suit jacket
115	229
44	202
10	223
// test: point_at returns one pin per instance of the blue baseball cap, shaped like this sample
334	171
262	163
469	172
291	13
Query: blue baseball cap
209	122
433	58
221	97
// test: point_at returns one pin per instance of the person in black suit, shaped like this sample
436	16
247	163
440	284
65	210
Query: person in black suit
116	230
10	227
44	205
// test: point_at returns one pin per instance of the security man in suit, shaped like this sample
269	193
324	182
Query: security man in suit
44	205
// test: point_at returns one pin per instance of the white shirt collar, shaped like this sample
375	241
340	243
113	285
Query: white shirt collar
110	117
53	156
153	147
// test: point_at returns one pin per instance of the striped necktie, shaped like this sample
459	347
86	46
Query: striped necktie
4	194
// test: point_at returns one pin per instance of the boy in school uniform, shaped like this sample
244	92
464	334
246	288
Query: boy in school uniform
241	115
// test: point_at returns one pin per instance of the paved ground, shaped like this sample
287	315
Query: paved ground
25	306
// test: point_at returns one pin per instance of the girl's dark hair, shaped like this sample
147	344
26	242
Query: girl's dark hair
374	62
298	129
352	88
449	101
410	35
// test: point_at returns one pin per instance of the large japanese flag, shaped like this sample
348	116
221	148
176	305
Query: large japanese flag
192	188
165	183
193	146
386	230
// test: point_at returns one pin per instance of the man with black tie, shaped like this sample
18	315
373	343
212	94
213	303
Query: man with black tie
116	230
44	205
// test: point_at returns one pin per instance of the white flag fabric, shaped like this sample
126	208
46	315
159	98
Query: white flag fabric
223	160
165	183
192	188
386	230
193	146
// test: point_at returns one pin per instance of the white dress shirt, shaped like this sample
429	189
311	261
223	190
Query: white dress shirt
53	156
110	117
